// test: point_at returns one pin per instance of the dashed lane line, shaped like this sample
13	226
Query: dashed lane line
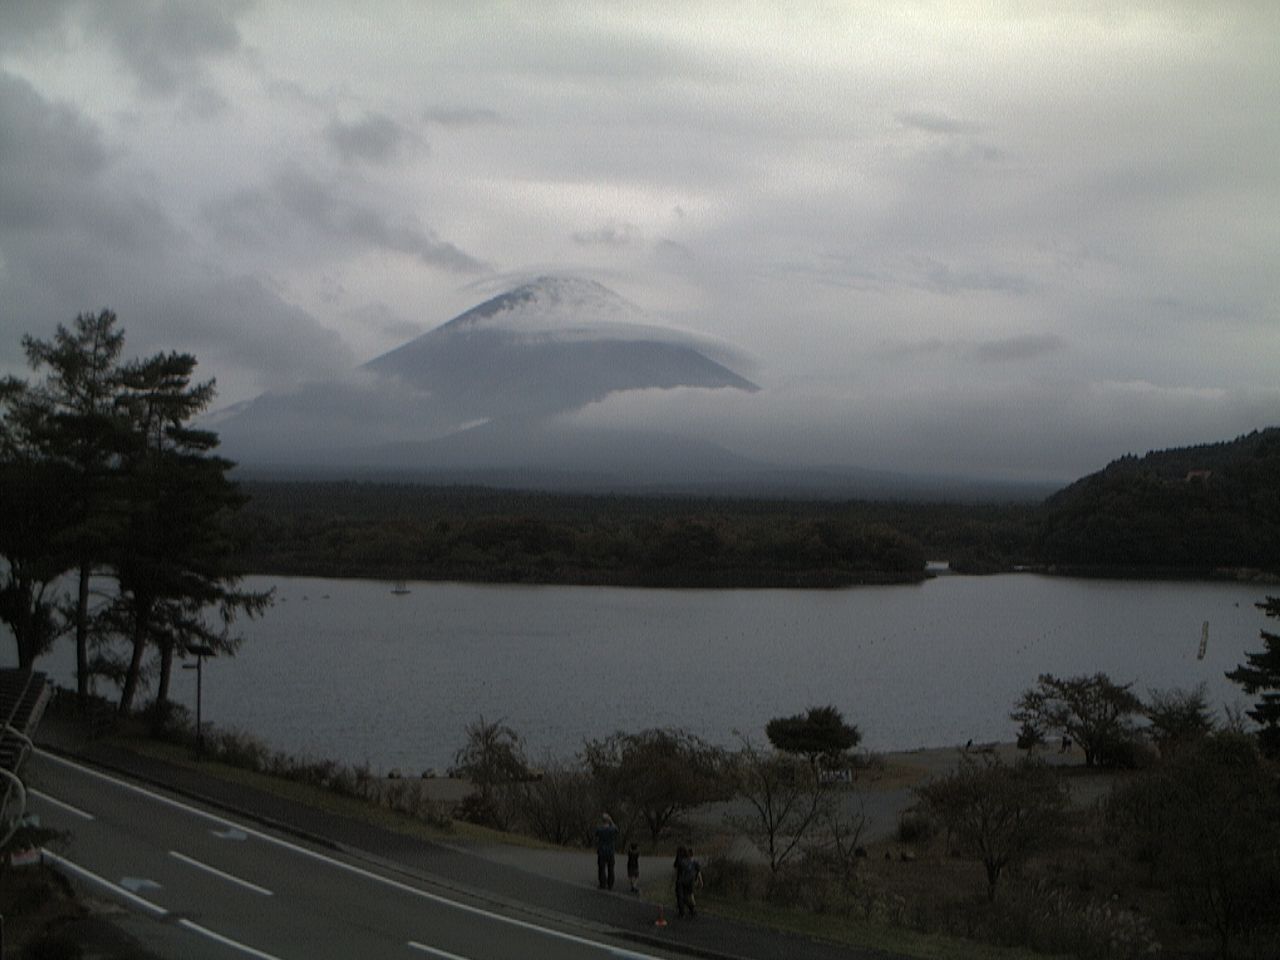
432	951
61	804
62	863
222	874
227	941
618	952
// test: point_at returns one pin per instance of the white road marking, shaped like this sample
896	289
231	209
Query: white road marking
62	863
227	941
134	884
231	878
442	954
352	868
230	834
60	804
75	869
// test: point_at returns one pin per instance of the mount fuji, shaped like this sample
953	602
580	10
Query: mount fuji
489	397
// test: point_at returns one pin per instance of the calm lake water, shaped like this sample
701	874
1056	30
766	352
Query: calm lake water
347	669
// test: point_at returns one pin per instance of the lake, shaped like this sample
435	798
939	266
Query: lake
346	669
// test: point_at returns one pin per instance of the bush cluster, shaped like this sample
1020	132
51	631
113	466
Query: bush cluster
247	752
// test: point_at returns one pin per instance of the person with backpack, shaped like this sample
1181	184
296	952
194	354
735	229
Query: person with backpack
688	872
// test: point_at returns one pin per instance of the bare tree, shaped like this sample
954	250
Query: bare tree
786	799
655	775
559	806
997	812
843	844
492	759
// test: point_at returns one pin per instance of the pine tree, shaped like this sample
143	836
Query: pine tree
32	525
1262	674
175	559
83	431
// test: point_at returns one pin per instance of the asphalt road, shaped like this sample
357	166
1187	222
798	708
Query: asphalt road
200	885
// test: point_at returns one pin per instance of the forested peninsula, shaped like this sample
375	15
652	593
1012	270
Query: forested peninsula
1195	512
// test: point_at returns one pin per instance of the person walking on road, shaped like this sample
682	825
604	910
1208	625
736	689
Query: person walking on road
606	837
688	875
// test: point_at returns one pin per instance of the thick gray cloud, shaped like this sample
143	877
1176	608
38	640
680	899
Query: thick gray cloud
166	44
1025	347
1022	238
462	116
74	236
934	122
375	138
297	205
609	235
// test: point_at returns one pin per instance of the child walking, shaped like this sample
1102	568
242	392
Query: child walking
633	868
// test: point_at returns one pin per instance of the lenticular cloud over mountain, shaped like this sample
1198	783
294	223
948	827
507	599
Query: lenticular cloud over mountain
495	388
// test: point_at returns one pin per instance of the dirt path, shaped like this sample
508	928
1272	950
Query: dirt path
880	795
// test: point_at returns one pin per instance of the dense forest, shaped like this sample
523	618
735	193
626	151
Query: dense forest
1212	510
1200	510
404	531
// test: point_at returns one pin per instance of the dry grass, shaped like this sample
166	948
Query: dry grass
319	798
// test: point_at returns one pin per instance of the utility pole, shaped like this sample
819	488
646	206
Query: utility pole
202	651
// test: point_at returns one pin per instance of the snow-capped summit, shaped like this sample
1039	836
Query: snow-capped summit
489	388
550	303
550	346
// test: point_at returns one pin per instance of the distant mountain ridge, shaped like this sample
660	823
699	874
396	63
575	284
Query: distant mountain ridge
1178	463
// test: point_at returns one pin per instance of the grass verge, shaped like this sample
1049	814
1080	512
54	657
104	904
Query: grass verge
866	936
318	798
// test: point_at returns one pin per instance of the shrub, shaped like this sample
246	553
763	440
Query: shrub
1208	824
813	891
1051	920
1029	736
1126	753
733	878
237	749
407	797
479	809
915	827
53	946
560	806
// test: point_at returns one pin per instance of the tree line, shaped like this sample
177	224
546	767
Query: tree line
1196	512
415	531
108	486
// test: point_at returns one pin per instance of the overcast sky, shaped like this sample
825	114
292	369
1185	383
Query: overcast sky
1012	240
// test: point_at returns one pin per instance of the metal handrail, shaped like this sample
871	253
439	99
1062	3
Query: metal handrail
12	826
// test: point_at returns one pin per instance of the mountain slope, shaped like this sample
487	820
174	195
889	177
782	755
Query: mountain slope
511	365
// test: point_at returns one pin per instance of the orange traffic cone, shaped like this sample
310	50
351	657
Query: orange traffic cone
661	921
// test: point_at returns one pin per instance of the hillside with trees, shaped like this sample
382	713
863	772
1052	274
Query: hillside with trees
1189	511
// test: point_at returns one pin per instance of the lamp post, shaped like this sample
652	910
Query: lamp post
201	651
